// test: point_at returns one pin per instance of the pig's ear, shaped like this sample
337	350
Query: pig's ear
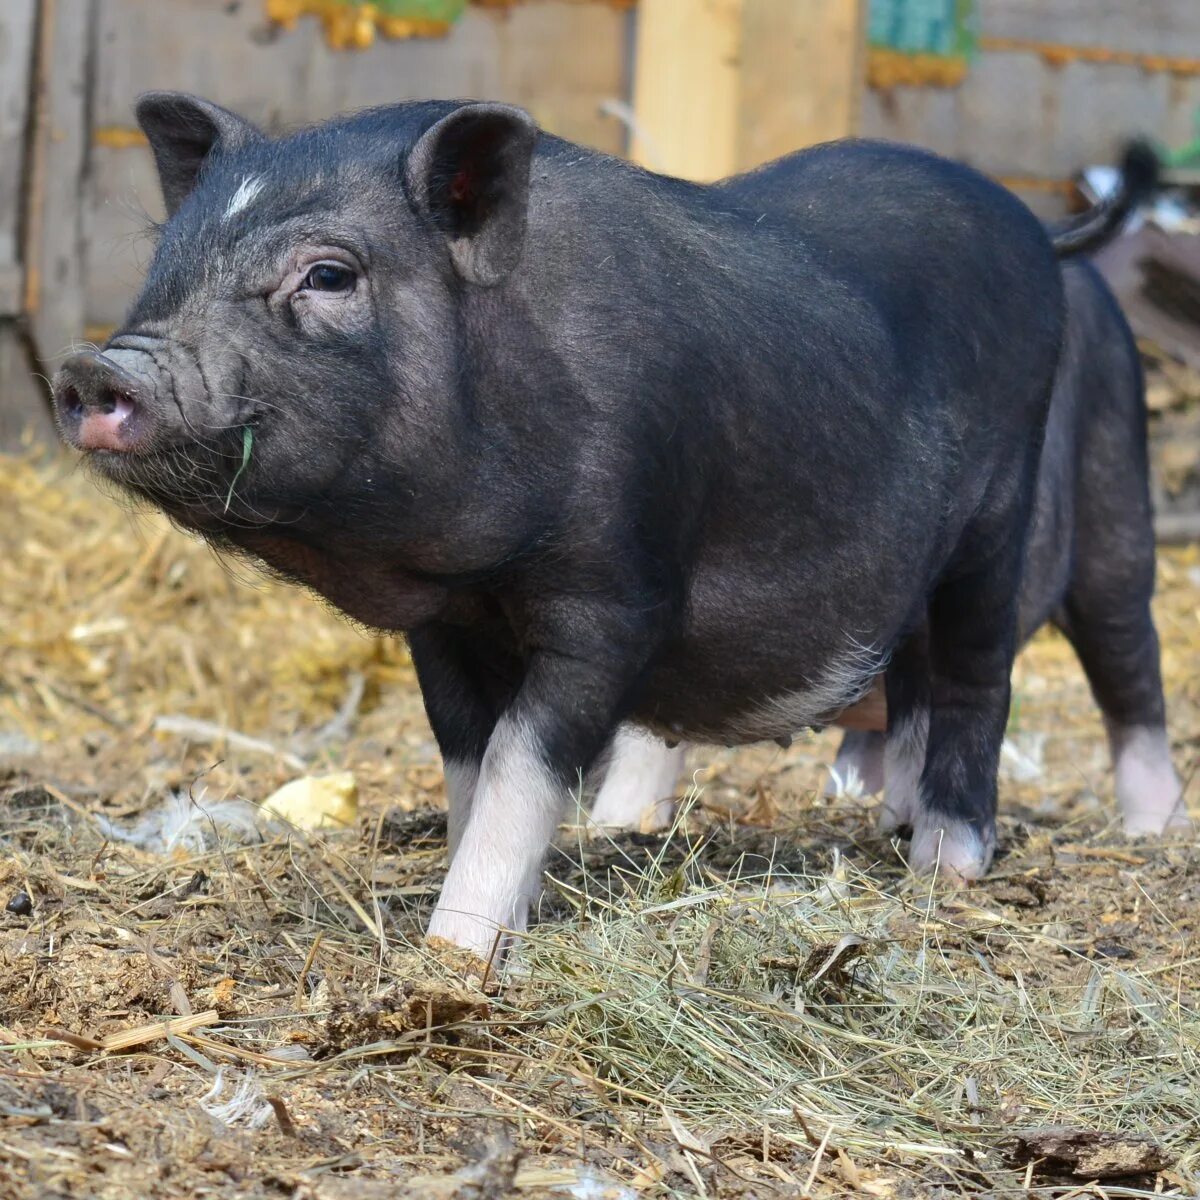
469	174
183	131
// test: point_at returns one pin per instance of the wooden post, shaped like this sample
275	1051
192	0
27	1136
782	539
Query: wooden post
723	85
43	155
54	283
18	22
22	401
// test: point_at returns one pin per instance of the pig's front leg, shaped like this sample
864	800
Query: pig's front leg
562	716
464	694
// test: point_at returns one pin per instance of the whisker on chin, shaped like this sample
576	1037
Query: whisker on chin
185	479
257	400
225	428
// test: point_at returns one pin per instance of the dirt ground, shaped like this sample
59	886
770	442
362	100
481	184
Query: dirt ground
780	1010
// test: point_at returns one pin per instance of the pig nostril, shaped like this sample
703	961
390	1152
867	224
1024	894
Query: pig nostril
112	401
71	403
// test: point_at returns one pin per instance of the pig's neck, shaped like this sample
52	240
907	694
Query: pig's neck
366	589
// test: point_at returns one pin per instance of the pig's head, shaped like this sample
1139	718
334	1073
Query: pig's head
292	354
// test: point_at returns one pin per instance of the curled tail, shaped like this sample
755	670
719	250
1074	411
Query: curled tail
1090	230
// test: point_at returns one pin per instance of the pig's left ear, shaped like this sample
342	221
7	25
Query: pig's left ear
183	131
469	174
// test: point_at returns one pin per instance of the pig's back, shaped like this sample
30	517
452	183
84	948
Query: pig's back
929	239
947	317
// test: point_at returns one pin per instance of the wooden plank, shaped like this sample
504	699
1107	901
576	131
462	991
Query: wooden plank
723	85
1166	27
24	412
12	285
1070	116
18	19
557	58
24	404
801	78
685	87
1024	113
54	300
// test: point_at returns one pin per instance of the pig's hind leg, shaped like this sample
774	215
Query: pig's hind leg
639	780
1106	612
972	642
1107	619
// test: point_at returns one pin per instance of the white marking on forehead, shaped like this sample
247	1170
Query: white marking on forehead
248	189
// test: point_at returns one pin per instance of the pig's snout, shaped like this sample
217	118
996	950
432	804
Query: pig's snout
101	406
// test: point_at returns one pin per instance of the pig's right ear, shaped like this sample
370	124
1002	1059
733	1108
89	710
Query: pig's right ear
183	131
469	175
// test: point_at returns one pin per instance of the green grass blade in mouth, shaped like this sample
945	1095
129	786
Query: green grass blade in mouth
247	444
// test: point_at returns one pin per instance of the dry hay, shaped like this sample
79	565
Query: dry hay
762	1004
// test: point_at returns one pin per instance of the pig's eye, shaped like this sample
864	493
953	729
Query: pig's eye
329	277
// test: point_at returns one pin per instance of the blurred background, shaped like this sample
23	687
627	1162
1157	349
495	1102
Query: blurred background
1041	94
153	697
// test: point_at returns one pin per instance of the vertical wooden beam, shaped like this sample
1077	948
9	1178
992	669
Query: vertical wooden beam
685	86
723	85
18	22
803	71
23	408
54	284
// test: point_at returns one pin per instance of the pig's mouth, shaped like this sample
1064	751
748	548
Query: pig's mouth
192	484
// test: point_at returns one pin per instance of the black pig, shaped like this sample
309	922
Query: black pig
606	445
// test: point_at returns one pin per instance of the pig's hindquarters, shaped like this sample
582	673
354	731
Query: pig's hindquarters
1090	569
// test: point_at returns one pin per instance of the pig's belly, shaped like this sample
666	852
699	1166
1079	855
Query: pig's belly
763	657
740	694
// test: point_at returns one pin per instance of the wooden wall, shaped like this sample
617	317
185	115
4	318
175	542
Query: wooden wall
721	86
559	60
77	185
22	410
719	83
1058	84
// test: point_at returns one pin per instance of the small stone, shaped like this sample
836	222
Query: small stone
20	905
